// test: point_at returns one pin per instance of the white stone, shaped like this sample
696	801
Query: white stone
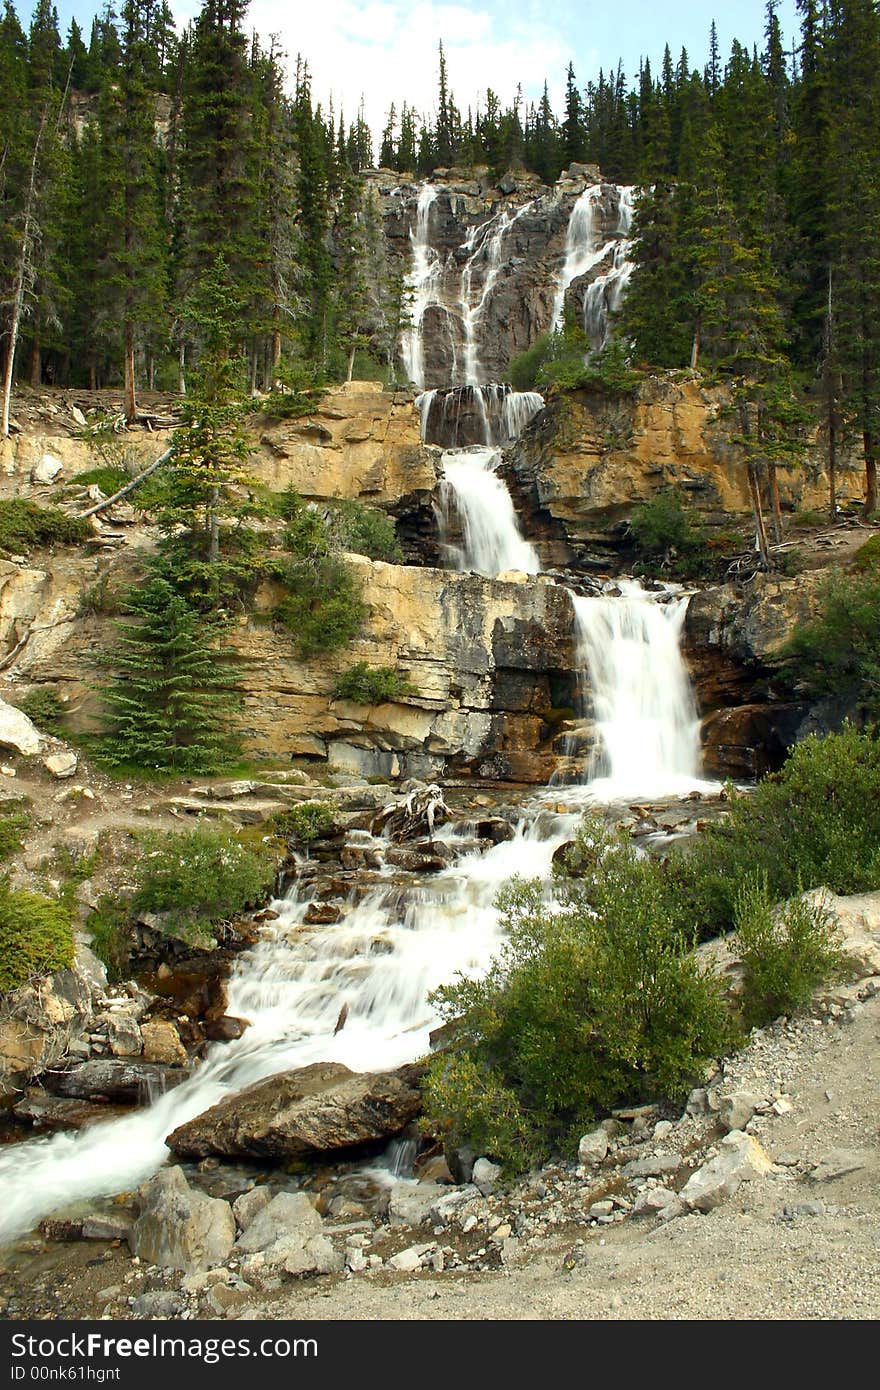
740	1158
124	1036
315	1256
289	1215
593	1147
655	1201
46	469
412	1203
248	1205
485	1176
61	764
407	1261
17	732
179	1228
737	1109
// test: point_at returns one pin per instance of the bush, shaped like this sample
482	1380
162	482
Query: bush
867	558
372	685
112	936
814	823
310	820
664	525
43	706
838	653
525	369
323	608
786	951
24	526
595	999
35	936
110	478
14	824
199	880
364	530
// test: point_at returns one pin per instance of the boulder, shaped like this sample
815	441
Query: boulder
114	1078
658	1201
593	1147
179	1227
17	732
485	1176
46	469
162	1043
411	1203
124	1035
317	1109
61	765
737	1109
739	1159
39	1023
249	1205
288	1216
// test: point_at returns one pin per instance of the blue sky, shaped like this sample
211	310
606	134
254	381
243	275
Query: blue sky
387	49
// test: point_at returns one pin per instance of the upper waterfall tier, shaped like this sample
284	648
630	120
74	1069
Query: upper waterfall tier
464	415
482	286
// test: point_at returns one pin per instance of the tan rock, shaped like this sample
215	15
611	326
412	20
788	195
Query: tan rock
162	1043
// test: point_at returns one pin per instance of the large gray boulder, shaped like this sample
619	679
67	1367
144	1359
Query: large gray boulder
180	1228
317	1109
740	1158
17	732
289	1216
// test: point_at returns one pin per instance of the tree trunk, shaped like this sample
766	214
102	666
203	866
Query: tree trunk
695	348
35	373
93	377
870	473
21	276
773	481
757	509
181	369
832	459
214	528
130	408
351	362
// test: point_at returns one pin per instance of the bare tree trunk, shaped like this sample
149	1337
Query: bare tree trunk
254	360
93	377
351	362
181	369
832	458
773	482
21	276
130	409
695	348
129	487
35	373
214	528
758	511
870	474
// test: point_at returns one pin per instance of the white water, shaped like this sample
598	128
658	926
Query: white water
493	541
382	960
421	285
503	413
643	704
484	247
584	250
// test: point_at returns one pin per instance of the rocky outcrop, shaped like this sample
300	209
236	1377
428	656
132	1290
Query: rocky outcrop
318	1109
589	458
38	1023
179	1227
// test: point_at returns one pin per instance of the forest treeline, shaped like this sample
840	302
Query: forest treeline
130	163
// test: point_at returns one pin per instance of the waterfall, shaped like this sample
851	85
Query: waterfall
643	705
490	415
585	250
422	285
382	960
472	490
484	243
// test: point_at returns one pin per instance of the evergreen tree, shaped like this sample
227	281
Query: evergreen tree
573	141
172	696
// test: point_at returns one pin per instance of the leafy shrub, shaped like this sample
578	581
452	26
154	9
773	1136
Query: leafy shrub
867	557
594	999
44	707
112	937
35	936
322	608
24	526
310	820
815	822
786	951
14	823
372	685
838	653
525	369
198	880
364	530
663	525
110	478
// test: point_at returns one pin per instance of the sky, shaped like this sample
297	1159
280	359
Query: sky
386	50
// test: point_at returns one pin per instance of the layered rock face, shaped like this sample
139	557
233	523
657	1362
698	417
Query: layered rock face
493	257
588	459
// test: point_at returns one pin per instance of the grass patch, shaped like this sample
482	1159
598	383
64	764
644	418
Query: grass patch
36	937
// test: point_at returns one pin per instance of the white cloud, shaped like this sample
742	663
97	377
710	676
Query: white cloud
386	50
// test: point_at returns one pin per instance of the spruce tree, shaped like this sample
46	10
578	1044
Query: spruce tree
172	695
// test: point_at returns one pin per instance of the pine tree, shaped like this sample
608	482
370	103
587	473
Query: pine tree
172	696
573	141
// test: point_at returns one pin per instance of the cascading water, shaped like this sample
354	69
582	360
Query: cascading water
586	248
492	539
422	285
381	961
643	705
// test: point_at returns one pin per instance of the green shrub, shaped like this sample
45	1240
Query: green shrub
110	478
525	369
364	530
112	936
198	880
663	525
867	558
814	823
594	999
35	936
372	685
786	951
322	608
14	824
44	707
24	526
838	652
310	820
